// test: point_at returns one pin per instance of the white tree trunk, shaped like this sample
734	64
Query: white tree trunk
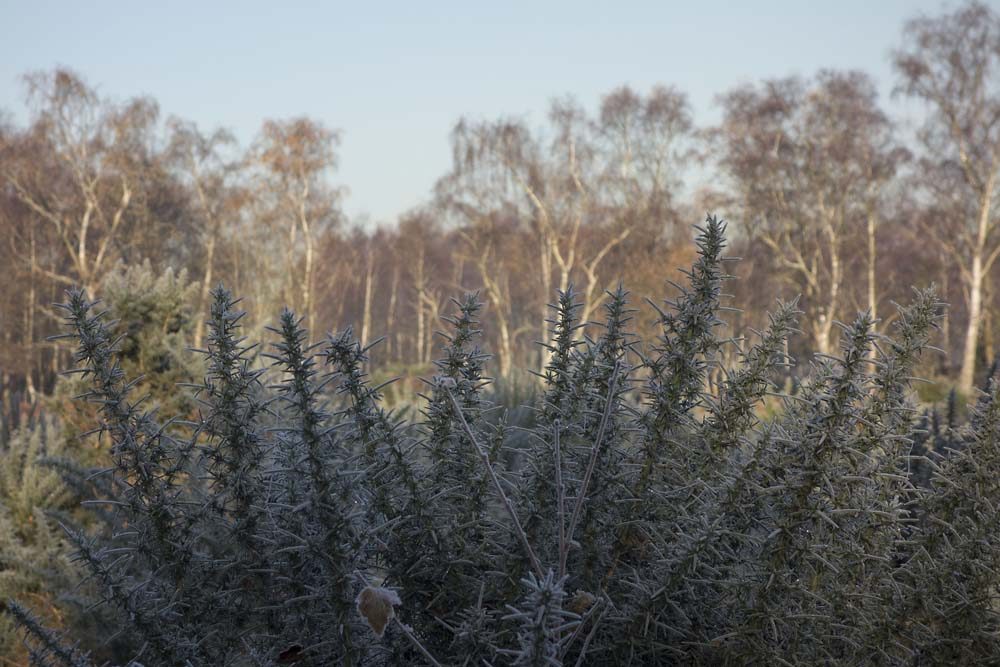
366	319
967	375
976	275
206	287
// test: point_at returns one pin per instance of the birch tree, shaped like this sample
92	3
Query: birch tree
295	157
806	163
87	189
212	175
80	173
579	185
951	63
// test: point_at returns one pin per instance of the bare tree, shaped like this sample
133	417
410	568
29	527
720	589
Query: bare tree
419	241
490	248
579	187
807	163
87	188
952	63
212	178
80	172
295	157
644	144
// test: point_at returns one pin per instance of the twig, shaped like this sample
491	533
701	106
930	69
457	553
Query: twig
536	566
561	502
582	496
595	612
590	636
416	642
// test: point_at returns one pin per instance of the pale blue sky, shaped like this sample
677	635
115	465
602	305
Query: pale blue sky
394	77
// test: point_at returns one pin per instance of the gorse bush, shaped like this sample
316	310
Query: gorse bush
34	558
150	315
644	519
43	461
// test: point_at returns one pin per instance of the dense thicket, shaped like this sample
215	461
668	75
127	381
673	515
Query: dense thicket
648	519
646	485
837	202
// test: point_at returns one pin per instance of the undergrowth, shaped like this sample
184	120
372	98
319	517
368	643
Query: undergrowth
638	515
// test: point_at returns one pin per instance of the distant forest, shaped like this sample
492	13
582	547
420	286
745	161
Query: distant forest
825	196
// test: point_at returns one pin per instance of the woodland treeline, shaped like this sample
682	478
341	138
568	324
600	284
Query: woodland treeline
829	197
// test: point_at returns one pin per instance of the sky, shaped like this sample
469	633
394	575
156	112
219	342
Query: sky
395	77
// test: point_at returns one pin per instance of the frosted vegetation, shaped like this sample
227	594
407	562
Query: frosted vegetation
653	512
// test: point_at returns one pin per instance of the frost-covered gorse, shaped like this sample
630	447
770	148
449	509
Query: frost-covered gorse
655	516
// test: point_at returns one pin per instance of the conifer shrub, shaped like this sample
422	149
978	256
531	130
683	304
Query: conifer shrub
649	517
